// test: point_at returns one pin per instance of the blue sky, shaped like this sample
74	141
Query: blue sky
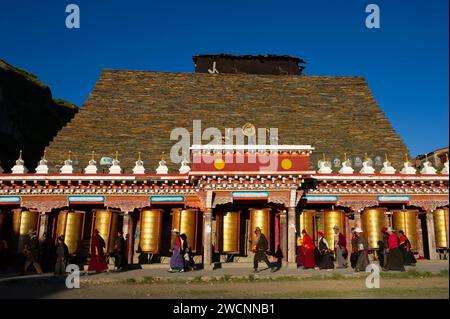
405	61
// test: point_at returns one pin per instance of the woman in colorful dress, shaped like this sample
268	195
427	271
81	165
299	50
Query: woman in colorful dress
176	261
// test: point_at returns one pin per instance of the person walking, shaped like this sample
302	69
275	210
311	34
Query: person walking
395	257
98	261
325	261
47	252
260	250
340	248
405	247
354	254
279	258
308	248
62	256
383	247
189	263
363	251
32	252
119	252
176	261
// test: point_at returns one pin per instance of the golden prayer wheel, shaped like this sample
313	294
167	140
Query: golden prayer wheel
406	220
372	220
305	220
150	233
260	218
440	217
229	232
70	225
332	218
185	220
23	222
108	223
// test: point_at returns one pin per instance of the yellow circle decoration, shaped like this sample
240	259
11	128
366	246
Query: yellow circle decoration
219	164
286	163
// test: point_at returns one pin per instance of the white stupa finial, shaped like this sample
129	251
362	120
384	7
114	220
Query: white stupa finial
19	168
367	166
444	170
67	167
407	168
427	167
139	167
42	168
92	165
115	167
346	167
387	167
162	168
324	167
184	168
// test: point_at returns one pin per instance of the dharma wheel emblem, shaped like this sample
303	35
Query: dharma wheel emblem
248	129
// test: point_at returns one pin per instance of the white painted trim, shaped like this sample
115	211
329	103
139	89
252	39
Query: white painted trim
97	177
359	177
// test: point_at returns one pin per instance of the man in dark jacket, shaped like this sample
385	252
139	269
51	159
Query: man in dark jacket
119	251
62	256
260	250
32	252
47	250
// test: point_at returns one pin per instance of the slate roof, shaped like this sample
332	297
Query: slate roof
132	111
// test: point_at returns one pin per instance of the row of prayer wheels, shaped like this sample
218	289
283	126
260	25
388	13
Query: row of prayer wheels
228	227
306	221
70	224
372	222
184	220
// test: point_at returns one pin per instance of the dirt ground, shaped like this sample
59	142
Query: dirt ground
431	287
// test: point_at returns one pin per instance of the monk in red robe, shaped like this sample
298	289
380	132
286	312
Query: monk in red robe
308	247
98	261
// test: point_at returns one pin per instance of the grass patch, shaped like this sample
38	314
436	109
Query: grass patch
148	280
130	281
207	293
414	274
197	279
366	293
